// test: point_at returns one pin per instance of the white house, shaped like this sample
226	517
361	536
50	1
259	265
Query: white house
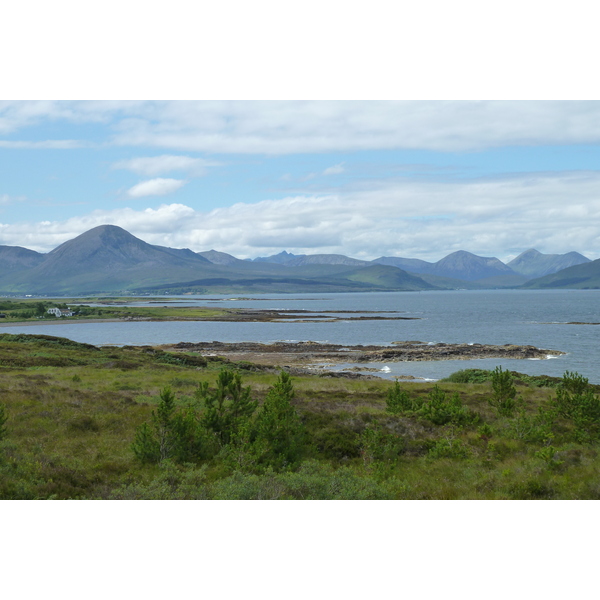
57	312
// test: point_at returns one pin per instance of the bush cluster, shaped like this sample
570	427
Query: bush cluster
227	423
439	408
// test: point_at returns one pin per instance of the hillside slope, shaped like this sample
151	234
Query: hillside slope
584	276
533	264
15	258
105	258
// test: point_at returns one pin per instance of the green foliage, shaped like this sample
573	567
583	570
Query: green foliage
537	429
574	383
548	455
532	489
313	481
172	434
449	448
504	392
228	407
277	433
469	376
399	401
73	439
173	482
485	432
575	400
3	419
378	445
331	437
440	410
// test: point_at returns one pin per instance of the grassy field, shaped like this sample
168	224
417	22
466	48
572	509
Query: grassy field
15	311
72	411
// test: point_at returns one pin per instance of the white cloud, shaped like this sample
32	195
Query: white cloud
335	170
155	187
297	127
15	115
43	145
490	217
166	163
286	127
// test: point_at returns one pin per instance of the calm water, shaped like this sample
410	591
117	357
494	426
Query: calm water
530	317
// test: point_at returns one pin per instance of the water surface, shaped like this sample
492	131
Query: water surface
531	317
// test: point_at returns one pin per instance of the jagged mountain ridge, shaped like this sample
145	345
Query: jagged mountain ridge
108	258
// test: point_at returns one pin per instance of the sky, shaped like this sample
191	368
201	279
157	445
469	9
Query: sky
416	179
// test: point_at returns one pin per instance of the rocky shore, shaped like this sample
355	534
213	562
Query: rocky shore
303	354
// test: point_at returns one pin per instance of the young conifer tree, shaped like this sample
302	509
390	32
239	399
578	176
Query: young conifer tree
504	392
170	435
278	434
228	408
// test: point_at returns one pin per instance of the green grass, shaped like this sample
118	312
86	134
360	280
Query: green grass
73	410
36	310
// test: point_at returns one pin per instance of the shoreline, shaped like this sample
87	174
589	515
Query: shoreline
318	356
63	322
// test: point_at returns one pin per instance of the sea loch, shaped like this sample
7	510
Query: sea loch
566	320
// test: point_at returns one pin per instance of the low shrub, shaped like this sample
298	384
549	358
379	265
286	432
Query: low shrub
440	410
469	376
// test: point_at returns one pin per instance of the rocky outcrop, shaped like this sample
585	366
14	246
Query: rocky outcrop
304	353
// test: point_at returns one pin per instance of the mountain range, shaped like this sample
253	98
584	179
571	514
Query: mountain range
108	259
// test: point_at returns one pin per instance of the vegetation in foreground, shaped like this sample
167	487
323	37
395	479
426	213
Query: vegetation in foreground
77	421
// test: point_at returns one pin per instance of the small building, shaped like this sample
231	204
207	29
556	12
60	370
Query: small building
57	312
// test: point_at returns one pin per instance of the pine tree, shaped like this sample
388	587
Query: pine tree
171	434
228	407
504	392
398	400
278	434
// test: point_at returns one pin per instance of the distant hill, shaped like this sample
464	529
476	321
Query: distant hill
302	260
461	265
414	265
326	259
533	264
108	259
15	258
470	267
219	258
281	259
103	259
385	276
180	253
583	276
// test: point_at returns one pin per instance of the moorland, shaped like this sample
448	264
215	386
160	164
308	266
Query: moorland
82	422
